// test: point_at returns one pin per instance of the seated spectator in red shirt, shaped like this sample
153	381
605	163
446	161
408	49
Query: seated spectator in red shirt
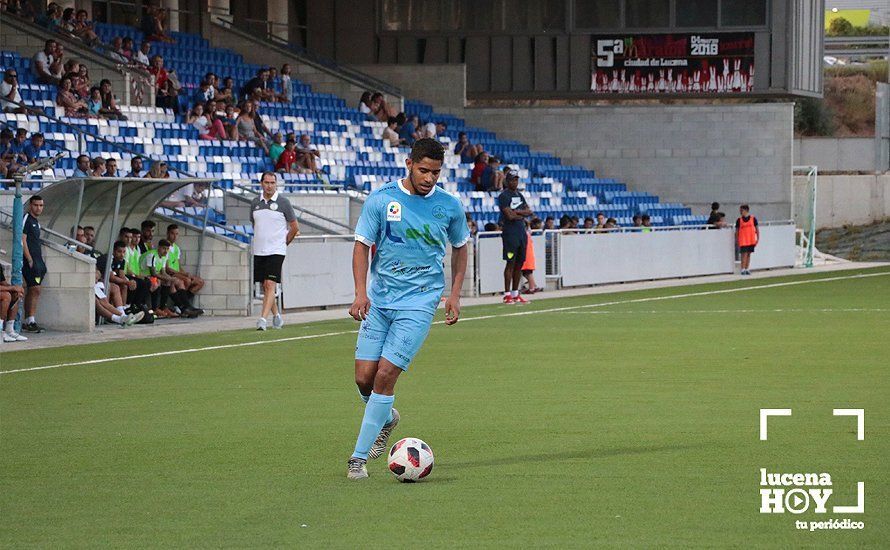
481	163
166	92
287	161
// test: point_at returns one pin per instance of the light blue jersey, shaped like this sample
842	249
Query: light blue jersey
410	232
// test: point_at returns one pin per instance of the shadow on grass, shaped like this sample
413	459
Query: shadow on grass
586	454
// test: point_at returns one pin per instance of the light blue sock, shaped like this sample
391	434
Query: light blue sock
376	412
365	398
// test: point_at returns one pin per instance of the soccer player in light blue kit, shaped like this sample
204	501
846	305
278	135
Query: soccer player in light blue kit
410	222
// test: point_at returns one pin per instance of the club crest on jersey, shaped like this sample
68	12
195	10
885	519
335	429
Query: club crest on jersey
393	212
274	206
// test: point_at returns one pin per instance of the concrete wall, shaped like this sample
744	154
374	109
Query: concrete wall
335	206
225	268
67	299
444	86
836	154
27	39
848	199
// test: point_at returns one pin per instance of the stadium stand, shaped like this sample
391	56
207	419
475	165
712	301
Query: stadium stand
353	151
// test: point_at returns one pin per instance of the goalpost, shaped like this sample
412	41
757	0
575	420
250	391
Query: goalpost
803	210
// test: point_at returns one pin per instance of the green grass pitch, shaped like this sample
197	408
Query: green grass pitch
633	424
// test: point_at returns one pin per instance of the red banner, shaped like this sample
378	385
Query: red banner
695	63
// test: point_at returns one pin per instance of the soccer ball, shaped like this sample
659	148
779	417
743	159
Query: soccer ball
410	460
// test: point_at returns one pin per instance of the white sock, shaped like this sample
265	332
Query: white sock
10	327
515	293
122	309
117	319
507	293
29	320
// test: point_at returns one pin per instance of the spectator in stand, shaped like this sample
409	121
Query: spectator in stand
81	84
433	129
258	120
109	110
246	125
479	166
66	25
156	30
141	56
200	122
226	93
71	70
471	224
589	224
380	108
565	222
8	164
230	122
9	308
190	284
203	93
52	17
646	222
307	155
47	69
32	150
747	233
549	223
390	134
94	103
287	85
364	107
637	221
111	168
33	267
18	145
98	166
9	93
106	310
600	220
167	96
408	130
611	223
287	160
83	28
514	209
491	226
464	148
21	8
715	213
212	80
136	168
259	82
276	147
127	49
492	178
158	170
116	50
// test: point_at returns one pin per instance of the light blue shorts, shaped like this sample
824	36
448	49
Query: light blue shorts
396	335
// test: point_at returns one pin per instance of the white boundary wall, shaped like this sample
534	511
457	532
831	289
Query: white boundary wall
317	271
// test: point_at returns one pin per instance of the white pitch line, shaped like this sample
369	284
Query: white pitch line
466	319
694	311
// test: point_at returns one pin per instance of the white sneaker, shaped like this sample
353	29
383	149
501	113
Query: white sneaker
14	337
277	321
261	323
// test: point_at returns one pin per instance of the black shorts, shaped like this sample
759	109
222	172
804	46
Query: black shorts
747	249
33	276
267	268
514	248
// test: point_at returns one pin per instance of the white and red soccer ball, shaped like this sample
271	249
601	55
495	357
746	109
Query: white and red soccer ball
410	460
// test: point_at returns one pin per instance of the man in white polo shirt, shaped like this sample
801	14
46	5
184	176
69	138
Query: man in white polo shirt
274	227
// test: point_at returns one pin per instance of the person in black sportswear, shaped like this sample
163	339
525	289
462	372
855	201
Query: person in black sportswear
514	209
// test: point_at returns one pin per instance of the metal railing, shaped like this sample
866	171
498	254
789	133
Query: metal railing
304	215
